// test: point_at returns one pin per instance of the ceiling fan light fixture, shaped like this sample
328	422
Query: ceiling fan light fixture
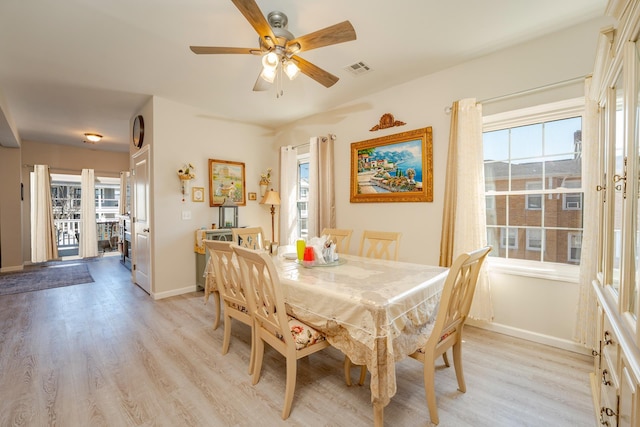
270	60
268	74
93	137
291	69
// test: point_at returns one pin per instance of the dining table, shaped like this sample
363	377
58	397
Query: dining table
377	312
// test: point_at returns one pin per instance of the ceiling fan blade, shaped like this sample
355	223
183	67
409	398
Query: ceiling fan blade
316	73
207	50
338	33
261	85
254	15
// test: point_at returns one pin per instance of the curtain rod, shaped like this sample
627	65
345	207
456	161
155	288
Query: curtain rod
324	139
526	91
62	170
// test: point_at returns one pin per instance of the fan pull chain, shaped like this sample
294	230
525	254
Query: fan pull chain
279	90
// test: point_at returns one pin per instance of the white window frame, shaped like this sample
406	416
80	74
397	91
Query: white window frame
546	112
490	200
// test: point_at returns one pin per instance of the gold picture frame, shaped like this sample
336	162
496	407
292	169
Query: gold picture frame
226	181
197	194
252	196
393	168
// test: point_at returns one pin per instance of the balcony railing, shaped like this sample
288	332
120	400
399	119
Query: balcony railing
68	235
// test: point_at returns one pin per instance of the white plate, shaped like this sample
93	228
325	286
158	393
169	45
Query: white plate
290	255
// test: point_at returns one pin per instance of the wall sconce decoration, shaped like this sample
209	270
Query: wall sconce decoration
228	214
186	174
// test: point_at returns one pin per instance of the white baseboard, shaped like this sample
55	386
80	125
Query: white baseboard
174	292
531	336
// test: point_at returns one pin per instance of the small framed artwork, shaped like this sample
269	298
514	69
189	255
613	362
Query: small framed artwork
393	168
197	194
226	182
252	196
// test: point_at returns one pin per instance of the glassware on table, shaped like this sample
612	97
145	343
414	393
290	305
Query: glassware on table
309	256
300	248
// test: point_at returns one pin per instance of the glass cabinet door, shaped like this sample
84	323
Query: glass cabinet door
634	188
617	170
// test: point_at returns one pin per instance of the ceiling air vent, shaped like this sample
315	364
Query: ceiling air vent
358	69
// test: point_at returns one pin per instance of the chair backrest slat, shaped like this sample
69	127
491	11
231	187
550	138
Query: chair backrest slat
380	244
341	237
227	275
457	294
248	237
261	280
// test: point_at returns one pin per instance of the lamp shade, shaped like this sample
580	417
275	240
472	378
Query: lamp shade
271	198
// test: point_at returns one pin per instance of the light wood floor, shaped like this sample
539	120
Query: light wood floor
106	354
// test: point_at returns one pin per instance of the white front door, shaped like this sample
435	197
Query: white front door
141	267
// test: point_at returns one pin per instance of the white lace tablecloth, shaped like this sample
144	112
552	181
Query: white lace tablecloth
377	312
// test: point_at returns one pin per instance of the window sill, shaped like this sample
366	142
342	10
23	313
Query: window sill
542	270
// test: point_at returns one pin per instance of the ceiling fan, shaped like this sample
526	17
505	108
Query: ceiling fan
278	47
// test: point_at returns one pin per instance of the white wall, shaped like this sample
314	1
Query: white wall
182	134
555	58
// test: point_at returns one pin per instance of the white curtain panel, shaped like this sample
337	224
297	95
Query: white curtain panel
470	222
88	232
288	196
313	224
44	245
322	209
326	184
585	330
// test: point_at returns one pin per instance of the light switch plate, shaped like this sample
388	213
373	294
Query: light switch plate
186	215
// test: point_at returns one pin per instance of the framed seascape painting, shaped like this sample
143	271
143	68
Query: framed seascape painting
393	168
226	181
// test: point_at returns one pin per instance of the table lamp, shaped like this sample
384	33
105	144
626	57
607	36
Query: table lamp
271	198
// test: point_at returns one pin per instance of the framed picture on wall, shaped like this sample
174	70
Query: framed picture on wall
226	181
393	168
197	194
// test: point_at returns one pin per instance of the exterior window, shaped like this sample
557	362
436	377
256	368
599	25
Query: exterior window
533	201
534	239
533	174
303	195
572	201
575	247
509	239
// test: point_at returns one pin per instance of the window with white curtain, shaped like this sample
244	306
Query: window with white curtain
303	195
533	176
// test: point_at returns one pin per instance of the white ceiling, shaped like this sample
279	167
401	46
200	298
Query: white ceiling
73	66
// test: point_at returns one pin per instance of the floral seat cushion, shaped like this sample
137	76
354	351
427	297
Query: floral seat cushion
445	335
303	334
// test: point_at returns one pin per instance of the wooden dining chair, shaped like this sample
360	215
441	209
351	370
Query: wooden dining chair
210	288
341	237
289	336
232	291
453	309
248	237
380	244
